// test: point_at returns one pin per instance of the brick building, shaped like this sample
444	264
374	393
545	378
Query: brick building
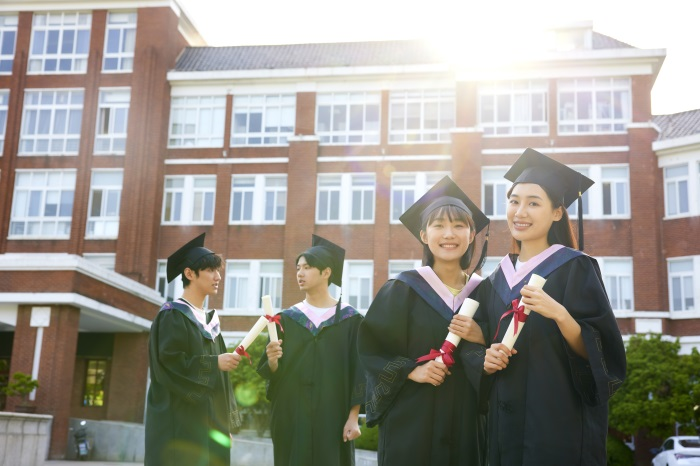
123	136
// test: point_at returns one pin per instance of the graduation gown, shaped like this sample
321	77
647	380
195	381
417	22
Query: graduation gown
549	406
418	423
318	379
190	409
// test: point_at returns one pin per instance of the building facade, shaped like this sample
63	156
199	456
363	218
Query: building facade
123	136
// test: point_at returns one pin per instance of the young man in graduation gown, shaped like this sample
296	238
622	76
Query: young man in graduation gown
426	410
191	412
548	398
316	384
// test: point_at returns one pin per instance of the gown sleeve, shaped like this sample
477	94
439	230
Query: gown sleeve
598	378
383	346
191	376
357	372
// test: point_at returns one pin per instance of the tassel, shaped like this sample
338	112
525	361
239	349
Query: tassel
580	222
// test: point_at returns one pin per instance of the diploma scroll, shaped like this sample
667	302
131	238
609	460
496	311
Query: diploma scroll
271	326
251	336
511	334
444	356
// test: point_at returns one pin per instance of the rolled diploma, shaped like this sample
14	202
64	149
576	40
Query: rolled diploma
254	332
468	309
271	326
509	338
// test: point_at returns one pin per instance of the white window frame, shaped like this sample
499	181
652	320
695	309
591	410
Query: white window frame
42	107
350	185
410	191
674	185
358	278
277	113
615	182
112	121
340	106
191	197
513	106
169	291
249	274
616	271
104	226
688	282
197	121
8	42
492	180
432	116
256	191
45	189
121	26
4	107
618	90
396	266
61	25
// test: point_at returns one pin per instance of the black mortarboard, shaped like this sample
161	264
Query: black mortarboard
329	254
445	192
564	183
186	256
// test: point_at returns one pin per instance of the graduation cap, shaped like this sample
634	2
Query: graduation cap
564	183
186	256
445	192
329	254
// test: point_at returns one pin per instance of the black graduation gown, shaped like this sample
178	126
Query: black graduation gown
190	409
419	424
317	381
550	406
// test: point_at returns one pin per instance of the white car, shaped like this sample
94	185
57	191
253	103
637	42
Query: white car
678	451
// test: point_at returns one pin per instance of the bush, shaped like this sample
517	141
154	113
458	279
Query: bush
250	389
619	454
369	440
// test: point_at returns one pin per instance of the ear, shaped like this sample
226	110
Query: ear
326	273
189	273
424	236
558	213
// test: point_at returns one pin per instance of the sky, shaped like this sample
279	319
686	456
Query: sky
647	24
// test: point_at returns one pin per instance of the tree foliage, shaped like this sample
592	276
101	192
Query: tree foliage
250	389
661	388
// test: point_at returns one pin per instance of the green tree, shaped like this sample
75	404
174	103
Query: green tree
661	388
250	389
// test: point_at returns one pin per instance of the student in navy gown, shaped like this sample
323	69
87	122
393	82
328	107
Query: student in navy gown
548	397
316	384
426	410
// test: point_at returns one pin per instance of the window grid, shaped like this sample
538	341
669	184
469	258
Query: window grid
348	118
189	200
94	389
513	108
617	275
676	190
357	281
169	291
104	204
51	122
615	187
594	105
585	202
8	39
120	41
407	187
345	198
197	121
42	205
248	281
258	199
112	120
263	119
398	266
493	192
60	43
421	115
681	285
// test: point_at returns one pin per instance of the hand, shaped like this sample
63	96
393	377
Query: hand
536	299
431	372
351	430
497	358
274	353
466	329
229	361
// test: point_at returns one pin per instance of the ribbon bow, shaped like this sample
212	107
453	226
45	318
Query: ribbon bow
519	315
240	350
445	351
277	318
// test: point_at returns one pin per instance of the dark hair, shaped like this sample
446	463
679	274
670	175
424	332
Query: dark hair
210	261
314	262
453	213
561	231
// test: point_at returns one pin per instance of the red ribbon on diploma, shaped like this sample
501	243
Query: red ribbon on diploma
518	314
445	351
276	319
240	350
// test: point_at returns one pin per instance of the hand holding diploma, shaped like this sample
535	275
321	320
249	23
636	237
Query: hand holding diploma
272	319
519	315
444	356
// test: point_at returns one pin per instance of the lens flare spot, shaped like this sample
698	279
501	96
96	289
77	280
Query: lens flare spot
246	395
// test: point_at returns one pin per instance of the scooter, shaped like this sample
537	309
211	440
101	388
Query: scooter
82	447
